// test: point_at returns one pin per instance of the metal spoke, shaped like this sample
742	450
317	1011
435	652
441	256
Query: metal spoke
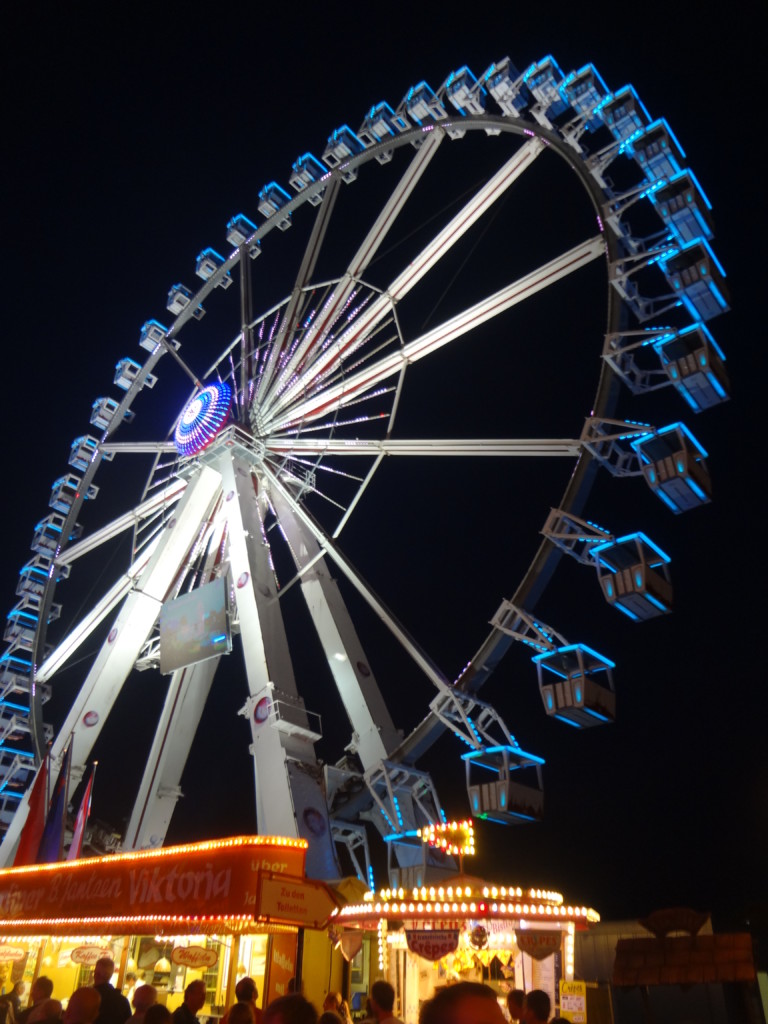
479	447
365	380
362	258
439	247
424	662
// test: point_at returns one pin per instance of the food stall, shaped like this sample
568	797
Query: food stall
464	929
217	910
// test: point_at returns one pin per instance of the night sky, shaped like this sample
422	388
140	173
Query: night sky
128	147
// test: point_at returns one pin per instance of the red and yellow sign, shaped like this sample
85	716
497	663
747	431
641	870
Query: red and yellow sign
196	885
281	967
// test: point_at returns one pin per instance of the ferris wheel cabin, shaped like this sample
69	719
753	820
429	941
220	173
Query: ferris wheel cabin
504	799
694	363
206	265
634	576
674	467
656	151
624	113
380	125
683	206
578	695
342	145
34	576
697	279
585	91
506	85
306	171
239	230
545	79
272	198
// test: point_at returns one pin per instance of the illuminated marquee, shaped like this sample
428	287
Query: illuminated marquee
198	887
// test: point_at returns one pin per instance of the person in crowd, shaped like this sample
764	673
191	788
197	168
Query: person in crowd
537	1007
330	1017
144	996
40	990
290	1009
46	1012
157	1014
335	1003
115	1008
10	1003
242	1013
194	1000
468	1002
383	1001
14	997
83	1006
130	984
369	1018
245	992
516	1004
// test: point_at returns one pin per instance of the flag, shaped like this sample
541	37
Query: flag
52	840
32	832
78	832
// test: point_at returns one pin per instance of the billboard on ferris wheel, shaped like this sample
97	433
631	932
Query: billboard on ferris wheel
195	627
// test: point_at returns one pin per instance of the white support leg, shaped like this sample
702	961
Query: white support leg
289	796
160	784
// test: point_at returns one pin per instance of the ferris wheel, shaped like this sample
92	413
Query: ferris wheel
391	252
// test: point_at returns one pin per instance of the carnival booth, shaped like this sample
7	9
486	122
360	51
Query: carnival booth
217	910
464	929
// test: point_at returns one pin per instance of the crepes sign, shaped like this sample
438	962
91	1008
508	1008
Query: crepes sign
432	945
538	944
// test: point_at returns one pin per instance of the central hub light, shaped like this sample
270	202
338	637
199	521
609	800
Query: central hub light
203	418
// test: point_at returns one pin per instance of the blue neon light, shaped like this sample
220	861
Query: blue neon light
696	489
627	612
667	500
14	707
568	721
595	714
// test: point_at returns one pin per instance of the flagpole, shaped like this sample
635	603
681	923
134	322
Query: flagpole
81	818
68	776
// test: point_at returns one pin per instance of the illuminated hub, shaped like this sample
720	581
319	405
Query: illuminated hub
202	419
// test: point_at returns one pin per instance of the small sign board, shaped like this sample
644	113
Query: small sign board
573	1001
194	956
432	944
538	943
88	955
298	901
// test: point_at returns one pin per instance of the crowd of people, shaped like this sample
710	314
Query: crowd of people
101	1003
